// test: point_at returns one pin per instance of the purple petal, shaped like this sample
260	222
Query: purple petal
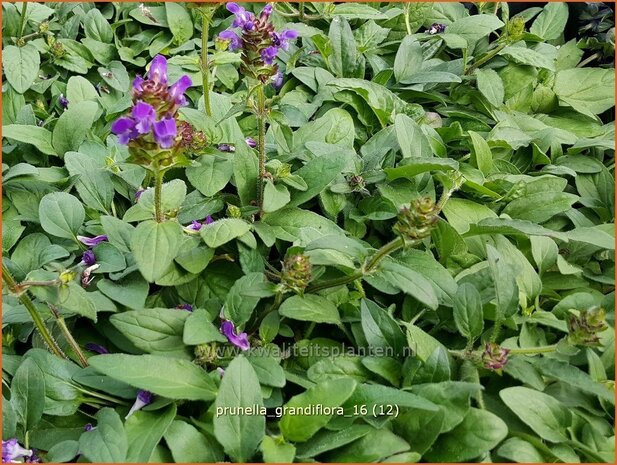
208	220
92	241
235	42
226	148
88	258
144	114
165	132
187	307
143	398
239	340
267	11
269	54
233	7
12	451
158	69
277	80
88	427
251	142
137	83
124	128
289	34
176	92
99	349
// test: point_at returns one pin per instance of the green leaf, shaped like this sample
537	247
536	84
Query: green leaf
331	393
325	440
173	194
407	280
544	414
239	434
93	182
144	430
276	196
310	307
527	56
345	60
154	246
380	329
473	28
28	394
479	432
481	153
274	451
411	167
244	296
518	450
551	23
73	125
210	174
179	21
468	315
411	139
64	451
199	329
223	231
357	11
164	376
21	66
188	445
408	59
419	427
317	173
96	26
107	442
34	135
590	90
130	291
290	223
268	370
61	214
491	86
506	288
540	207
115	75
79	89
373	447
154	330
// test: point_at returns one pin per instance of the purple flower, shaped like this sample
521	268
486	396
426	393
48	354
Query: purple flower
99	349
208	220
92	241
88	258
436	28
235	42
494	356
268	54
138	193
176	91
63	101
144	116
267	11
195	225
158	70
243	18
165	132
89	427
143	398
124	128
187	307
239	340
226	148
138	83
282	40
277	80
12	451
251	142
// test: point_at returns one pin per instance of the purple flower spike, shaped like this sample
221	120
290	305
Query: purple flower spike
92	241
12	451
165	132
269	54
235	42
99	349
124	128
239	340
176	91
187	307
88	258
144	115
143	398
251	142
158	70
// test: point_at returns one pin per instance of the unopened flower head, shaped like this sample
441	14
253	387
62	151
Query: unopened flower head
63	101
191	138
494	356
296	273
584	328
258	41
88	258
86	278
417	220
436	28
143	398
98	348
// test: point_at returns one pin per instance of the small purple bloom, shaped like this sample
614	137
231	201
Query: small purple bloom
234	8
268	54
195	225
99	349
436	28
277	80
251	142
208	220
138	193
88	258
282	40
124	128
235	42
89	427
63	101
138	83
143	398
165	132
239	340
92	241
144	115
226	148
176	91
267	11
187	307
158	70
243	18
12	451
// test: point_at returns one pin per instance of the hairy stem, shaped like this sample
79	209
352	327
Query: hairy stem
83	361
489	56
158	191
22	19
34	313
206	14
261	122
534	350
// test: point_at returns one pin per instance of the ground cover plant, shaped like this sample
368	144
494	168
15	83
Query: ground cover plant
354	232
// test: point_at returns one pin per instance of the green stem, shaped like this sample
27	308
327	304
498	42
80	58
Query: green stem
387	249
407	21
534	350
158	191
309	330
489	56
593	455
261	122
22	19
83	361
34	313
205	66
335	282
